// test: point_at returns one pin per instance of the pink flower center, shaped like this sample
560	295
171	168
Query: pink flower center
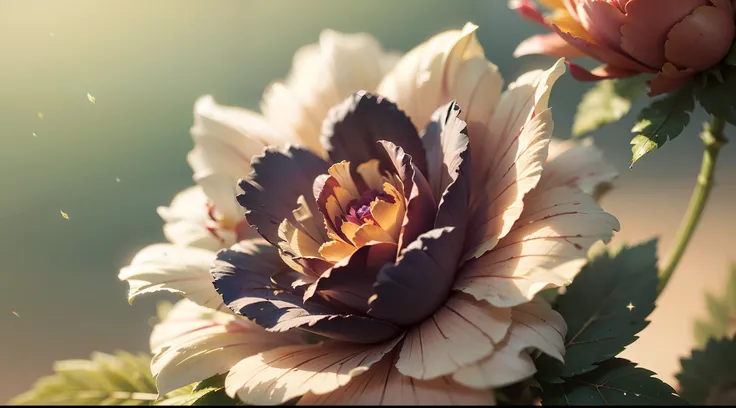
359	210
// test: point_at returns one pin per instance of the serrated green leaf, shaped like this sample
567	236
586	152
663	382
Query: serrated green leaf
721	319
708	376
210	392
663	120
719	97
607	102
605	307
614	382
105	379
211	396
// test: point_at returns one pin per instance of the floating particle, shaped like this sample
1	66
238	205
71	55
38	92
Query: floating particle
51	34
16	313
117	179
63	214
91	98
40	115
630	306
34	135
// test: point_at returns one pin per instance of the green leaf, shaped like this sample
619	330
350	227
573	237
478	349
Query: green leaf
607	102
605	307
663	120
105	379
708	376
721	319
614	382
209	392
719	97
114	379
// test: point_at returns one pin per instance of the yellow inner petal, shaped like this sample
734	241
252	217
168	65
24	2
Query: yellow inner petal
553	4
371	174
335	251
389	216
567	23
341	173
368	233
384	226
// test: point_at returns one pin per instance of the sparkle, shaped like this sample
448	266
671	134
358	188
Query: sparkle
630	306
15	313
91	98
40	115
34	135
63	214
117	179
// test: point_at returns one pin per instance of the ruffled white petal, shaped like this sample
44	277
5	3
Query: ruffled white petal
175	269
535	327
448	66
511	159
225	140
383	384
461	332
276	376
194	343
546	247
323	75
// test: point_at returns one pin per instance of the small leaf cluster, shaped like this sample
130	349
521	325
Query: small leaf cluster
667	115
115	379
605	307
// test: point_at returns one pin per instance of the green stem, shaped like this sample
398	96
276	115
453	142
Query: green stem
713	140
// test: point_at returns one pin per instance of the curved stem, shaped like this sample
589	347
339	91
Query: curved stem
713	140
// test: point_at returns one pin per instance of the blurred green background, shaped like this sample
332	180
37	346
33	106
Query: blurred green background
146	62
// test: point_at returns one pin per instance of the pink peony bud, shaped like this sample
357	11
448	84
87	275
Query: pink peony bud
673	39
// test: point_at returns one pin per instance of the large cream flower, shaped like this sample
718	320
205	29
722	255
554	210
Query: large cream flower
421	277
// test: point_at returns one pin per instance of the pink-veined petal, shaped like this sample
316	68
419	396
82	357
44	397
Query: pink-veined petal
175	269
194	343
461	332
535	326
546	247
276	376
383	384
511	159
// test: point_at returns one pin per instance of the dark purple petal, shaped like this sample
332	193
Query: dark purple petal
317	266
448	161
255	283
420	281
350	282
421	207
353	127
272	189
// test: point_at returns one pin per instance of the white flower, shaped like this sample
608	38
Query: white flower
532	222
